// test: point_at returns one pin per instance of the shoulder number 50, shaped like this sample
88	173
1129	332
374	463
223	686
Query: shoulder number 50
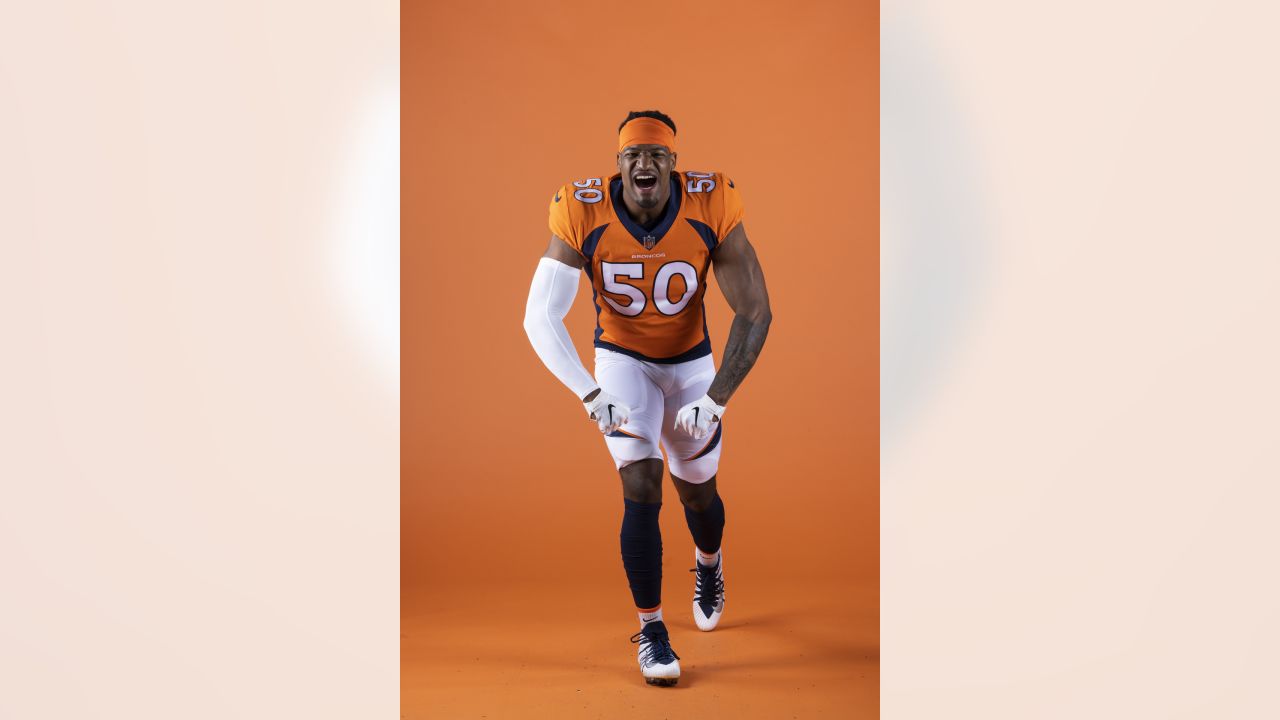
610	272
588	191
703	182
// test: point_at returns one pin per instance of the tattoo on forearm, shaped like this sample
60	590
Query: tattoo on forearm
746	338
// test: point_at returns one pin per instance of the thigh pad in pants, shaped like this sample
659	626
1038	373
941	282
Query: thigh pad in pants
627	379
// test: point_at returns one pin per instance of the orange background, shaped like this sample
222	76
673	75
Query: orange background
514	601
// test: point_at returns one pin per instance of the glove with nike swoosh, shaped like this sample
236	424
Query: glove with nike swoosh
696	417
607	410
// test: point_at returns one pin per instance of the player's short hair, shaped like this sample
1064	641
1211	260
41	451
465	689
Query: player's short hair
655	114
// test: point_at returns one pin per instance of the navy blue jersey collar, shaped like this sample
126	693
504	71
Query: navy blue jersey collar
639	233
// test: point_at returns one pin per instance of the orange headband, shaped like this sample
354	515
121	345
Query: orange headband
646	131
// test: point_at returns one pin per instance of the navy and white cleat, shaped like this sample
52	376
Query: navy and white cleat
708	593
658	662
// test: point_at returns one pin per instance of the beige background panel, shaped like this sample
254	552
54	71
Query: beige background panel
1079	409
198	413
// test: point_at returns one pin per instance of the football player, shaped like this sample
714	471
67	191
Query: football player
646	237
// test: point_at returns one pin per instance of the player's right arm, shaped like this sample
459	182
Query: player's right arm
555	285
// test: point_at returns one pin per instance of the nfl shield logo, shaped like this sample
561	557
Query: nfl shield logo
649	242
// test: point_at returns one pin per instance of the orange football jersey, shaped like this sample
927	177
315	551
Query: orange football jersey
648	285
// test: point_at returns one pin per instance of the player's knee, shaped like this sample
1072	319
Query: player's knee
641	491
698	504
642	481
697	497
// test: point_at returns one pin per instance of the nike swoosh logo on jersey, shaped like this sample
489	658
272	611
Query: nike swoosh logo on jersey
557	197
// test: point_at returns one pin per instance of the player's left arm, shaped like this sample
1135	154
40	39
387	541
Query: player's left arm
742	281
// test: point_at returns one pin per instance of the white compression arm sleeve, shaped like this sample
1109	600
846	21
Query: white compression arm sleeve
554	287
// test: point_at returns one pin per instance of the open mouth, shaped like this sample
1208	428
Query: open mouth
646	181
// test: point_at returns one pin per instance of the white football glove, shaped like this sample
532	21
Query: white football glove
696	417
608	412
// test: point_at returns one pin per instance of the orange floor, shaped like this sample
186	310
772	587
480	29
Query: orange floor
786	648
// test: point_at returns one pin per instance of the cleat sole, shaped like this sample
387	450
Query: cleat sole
662	682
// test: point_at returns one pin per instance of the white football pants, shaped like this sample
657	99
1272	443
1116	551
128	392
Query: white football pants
655	393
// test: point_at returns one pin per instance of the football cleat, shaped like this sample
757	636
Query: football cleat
708	593
659	664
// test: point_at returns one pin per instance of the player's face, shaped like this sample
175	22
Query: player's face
646	170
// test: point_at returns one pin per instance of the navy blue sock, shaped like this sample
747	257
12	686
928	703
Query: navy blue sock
707	526
641	538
